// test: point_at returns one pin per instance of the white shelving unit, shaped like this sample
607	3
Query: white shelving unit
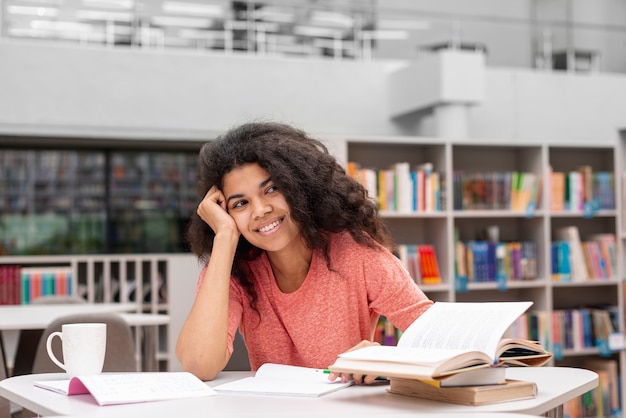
141	279
538	225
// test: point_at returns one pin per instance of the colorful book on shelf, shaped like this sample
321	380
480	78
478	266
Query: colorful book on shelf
421	262
607	244
10	285
403	187
466	395
123	388
561	270
586	181
39	282
607	393
284	380
578	267
447	339
557	191
428	263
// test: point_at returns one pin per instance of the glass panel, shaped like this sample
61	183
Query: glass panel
152	195
51	202
58	201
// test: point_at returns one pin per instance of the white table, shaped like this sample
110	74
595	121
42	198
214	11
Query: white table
24	317
146	324
19	317
556	385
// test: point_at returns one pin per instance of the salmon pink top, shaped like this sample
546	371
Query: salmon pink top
332	311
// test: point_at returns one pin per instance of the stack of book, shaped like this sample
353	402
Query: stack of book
454	352
477	387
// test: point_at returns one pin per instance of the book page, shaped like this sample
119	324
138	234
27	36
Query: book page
284	380
287	372
463	326
118	388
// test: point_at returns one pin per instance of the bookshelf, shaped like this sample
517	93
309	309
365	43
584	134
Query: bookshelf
471	210
145	280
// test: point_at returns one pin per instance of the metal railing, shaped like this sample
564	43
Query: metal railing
352	30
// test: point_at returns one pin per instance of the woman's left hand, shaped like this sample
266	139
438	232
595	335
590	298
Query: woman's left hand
358	379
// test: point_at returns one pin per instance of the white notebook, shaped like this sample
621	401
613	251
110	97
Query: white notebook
280	379
119	388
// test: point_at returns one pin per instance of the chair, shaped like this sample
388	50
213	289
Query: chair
239	360
120	351
29	338
5	406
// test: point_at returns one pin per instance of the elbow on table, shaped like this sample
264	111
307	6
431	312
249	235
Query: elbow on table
202	371
203	367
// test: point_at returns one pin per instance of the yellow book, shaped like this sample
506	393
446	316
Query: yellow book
476	377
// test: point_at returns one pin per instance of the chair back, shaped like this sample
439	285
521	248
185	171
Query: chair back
29	338
239	360
5	406
120	346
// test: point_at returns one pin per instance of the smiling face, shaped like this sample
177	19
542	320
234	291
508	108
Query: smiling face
259	209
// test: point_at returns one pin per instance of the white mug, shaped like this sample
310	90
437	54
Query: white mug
84	346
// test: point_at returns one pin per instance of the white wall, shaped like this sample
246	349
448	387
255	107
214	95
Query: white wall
99	91
50	90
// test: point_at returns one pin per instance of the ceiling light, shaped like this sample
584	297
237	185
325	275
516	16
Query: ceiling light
41	2
33	10
185	22
331	19
274	14
110	4
196	9
104	15
316	31
60	26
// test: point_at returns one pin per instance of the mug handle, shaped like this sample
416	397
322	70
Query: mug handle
49	349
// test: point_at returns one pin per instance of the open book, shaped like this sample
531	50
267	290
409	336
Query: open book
449	338
119	388
285	380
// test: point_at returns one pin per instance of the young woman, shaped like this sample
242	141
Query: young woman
296	256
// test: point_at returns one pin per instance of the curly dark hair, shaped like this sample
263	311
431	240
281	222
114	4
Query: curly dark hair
323	198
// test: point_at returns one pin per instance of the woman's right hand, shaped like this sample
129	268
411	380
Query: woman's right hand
212	210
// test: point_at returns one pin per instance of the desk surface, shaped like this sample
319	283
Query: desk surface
19	317
145	319
555	385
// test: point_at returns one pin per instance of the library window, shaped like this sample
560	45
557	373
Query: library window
95	201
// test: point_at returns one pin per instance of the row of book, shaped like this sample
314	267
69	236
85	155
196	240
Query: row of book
583	328
402	188
503	190
421	263
487	261
602	401
19	285
572	190
385	333
573	259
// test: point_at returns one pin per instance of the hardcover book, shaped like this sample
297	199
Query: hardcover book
466	395
449	338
